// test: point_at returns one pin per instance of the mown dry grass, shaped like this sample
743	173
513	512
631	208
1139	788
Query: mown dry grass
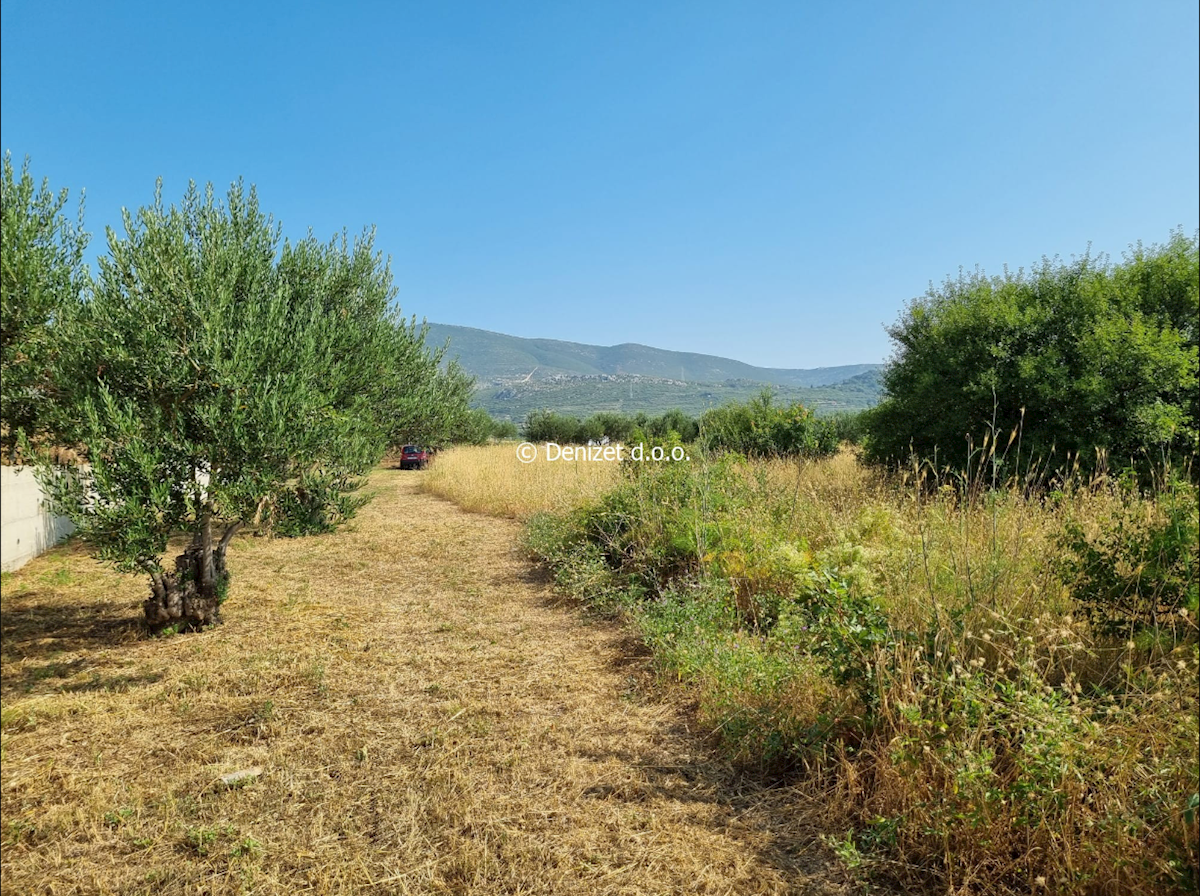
427	719
490	479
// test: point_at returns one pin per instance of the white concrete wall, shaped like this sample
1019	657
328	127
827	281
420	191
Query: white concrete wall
26	530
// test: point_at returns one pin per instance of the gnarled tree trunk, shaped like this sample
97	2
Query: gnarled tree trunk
190	597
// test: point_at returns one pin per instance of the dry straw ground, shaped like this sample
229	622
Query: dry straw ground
426	716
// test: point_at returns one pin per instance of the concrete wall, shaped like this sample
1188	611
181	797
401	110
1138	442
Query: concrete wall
26	530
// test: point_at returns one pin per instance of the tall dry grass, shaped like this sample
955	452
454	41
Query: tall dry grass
916	651
491	479
925	552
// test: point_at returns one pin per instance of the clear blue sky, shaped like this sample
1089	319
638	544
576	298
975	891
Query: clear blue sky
765	181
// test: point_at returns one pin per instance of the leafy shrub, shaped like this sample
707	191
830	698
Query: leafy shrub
1096	360
504	429
478	427
548	426
685	428
579	565
843	627
848	426
761	429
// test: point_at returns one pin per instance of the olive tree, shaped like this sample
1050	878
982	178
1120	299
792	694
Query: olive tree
215	367
43	276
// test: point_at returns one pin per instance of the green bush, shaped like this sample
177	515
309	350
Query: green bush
686	428
759	428
1091	361
478	427
849	426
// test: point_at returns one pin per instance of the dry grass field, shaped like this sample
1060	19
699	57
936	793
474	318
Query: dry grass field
490	479
422	716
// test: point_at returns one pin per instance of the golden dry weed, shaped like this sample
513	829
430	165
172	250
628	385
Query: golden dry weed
426	715
490	479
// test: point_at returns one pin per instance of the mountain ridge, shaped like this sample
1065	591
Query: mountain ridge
498	357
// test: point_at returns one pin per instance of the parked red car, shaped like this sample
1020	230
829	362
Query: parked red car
413	458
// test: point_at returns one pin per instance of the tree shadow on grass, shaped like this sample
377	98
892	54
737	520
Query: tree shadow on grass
778	823
37	628
38	637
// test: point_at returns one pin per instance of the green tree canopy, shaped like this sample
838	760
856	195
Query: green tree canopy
43	277
219	372
423	401
1084	356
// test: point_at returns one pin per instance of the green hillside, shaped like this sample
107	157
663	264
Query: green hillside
517	375
585	395
495	356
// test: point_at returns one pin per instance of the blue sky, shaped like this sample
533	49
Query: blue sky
765	181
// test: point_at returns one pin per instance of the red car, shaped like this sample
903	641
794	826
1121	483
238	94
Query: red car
413	458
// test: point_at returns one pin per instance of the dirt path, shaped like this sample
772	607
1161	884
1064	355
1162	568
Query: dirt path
427	716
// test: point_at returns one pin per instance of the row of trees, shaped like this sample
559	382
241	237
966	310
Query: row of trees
212	374
550	426
758	428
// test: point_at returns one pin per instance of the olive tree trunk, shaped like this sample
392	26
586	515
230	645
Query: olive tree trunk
190	597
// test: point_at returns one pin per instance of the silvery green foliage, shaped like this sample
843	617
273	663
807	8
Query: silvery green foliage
217	365
43	278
